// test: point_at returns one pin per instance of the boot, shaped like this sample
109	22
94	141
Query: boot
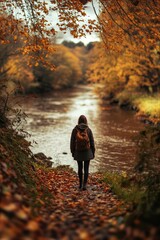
80	185
85	181
80	182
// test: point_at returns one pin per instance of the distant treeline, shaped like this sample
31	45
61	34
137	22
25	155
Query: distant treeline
65	67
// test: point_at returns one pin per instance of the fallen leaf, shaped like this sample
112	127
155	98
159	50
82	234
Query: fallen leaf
32	226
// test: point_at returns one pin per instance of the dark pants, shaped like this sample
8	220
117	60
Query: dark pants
80	171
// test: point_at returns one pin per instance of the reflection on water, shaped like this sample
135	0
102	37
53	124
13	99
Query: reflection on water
52	118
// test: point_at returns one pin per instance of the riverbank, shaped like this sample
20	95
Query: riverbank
39	202
147	106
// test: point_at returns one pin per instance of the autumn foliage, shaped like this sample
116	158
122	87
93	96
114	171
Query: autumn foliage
38	203
128	59
40	77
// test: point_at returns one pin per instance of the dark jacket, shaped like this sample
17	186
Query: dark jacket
82	155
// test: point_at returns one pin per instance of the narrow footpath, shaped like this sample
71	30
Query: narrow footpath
77	214
67	213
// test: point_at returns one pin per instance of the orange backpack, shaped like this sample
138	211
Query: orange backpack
82	140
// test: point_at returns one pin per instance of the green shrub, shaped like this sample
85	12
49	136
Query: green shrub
148	166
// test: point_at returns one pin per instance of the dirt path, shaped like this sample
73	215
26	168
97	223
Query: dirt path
76	214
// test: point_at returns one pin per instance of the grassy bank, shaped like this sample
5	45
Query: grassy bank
147	105
125	186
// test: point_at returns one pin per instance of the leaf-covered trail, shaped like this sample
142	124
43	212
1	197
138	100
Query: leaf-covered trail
76	214
66	213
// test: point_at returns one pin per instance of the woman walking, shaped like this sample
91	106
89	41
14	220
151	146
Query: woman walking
82	149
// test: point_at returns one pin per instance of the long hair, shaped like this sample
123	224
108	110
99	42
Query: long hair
82	119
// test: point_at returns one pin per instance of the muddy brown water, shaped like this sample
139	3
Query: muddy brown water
51	119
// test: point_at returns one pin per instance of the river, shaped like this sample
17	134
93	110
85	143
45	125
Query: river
51	119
